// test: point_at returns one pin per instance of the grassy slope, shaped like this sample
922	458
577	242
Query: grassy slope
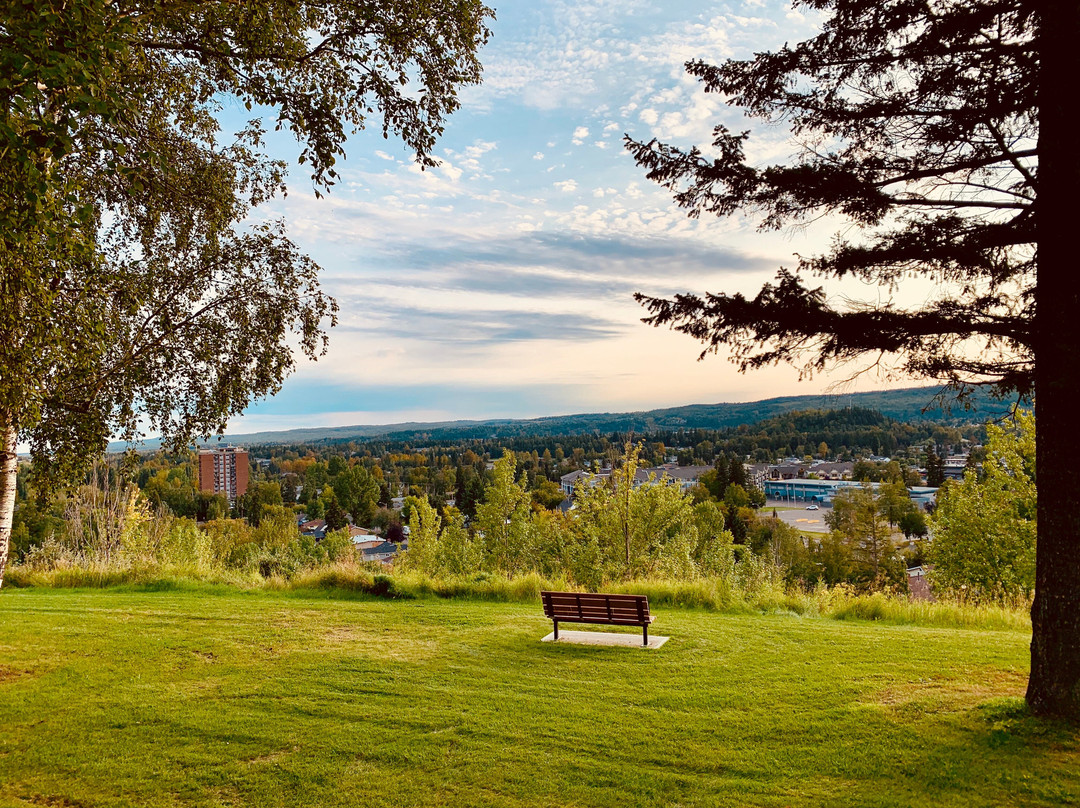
207	698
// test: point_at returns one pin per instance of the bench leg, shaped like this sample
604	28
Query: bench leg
556	622
645	635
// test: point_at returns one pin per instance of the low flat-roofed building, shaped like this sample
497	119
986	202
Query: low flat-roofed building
803	490
825	490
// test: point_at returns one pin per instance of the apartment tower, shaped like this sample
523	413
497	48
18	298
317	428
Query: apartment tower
223	470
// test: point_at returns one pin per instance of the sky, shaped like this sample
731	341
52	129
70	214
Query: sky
500	283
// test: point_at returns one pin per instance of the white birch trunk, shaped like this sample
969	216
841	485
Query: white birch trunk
9	435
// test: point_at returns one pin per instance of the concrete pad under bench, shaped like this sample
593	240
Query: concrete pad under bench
604	638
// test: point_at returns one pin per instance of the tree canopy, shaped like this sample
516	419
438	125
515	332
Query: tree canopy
139	290
984	527
917	122
940	133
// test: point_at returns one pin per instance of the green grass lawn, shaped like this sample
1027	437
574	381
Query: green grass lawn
220	697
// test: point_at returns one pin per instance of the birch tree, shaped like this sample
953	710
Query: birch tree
134	291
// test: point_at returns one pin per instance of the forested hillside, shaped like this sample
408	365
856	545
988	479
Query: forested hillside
914	405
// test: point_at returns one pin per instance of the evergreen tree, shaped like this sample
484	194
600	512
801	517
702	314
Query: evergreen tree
722	478
935	469
335	514
945	132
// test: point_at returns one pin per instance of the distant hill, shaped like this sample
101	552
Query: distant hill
901	405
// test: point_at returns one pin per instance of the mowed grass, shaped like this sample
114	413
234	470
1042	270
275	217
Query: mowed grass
221	697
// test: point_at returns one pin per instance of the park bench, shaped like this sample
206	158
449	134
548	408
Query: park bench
608	610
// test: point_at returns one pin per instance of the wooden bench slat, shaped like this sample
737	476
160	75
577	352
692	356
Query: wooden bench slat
599	610
600	607
586	597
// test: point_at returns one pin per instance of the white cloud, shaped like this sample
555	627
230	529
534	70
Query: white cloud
451	172
681	43
480	147
597	68
669	96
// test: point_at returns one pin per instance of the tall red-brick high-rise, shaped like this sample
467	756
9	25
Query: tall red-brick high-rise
223	471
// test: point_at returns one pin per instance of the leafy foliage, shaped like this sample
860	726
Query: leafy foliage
859	519
358	492
984	528
502	520
639	531
138	291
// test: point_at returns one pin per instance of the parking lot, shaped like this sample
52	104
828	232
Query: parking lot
796	515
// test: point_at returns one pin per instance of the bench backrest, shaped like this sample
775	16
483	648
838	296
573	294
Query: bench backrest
593	606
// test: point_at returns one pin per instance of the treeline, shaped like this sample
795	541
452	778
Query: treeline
910	405
360	481
618	532
458	469
847	433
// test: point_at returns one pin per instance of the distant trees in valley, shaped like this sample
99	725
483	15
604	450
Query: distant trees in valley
477	508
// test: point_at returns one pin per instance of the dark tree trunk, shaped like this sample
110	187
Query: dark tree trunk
1054	687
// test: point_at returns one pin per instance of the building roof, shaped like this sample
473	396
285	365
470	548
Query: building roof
803	482
828	467
677	472
574	476
670	470
380	552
